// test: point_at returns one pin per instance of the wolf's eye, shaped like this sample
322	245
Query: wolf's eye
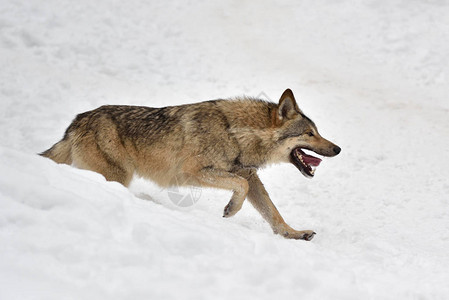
310	133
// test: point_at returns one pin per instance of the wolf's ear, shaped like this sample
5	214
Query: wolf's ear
287	108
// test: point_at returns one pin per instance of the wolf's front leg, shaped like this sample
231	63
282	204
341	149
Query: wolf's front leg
229	181
259	198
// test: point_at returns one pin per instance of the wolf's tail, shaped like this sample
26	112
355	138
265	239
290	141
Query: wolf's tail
61	152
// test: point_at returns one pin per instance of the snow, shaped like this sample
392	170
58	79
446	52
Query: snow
372	75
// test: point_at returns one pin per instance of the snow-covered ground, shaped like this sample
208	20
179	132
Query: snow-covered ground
373	75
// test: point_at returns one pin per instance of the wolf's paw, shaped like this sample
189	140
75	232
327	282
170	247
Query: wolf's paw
300	235
231	209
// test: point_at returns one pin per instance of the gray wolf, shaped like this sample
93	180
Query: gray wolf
221	143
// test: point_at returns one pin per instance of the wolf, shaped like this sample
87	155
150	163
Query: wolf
219	143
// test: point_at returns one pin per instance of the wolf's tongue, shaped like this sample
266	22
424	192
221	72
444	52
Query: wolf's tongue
311	160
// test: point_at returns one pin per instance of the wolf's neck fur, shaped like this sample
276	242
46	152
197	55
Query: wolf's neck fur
256	136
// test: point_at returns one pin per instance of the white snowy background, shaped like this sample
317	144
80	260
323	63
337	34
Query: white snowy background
373	75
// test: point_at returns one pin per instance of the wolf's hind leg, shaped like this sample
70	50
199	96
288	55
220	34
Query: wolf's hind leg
100	162
229	181
101	151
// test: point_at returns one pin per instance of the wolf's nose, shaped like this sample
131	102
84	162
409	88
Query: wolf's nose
337	150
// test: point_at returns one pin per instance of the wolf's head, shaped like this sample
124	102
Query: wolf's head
296	132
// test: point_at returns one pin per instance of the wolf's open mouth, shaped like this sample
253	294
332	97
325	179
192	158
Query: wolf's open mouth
304	162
